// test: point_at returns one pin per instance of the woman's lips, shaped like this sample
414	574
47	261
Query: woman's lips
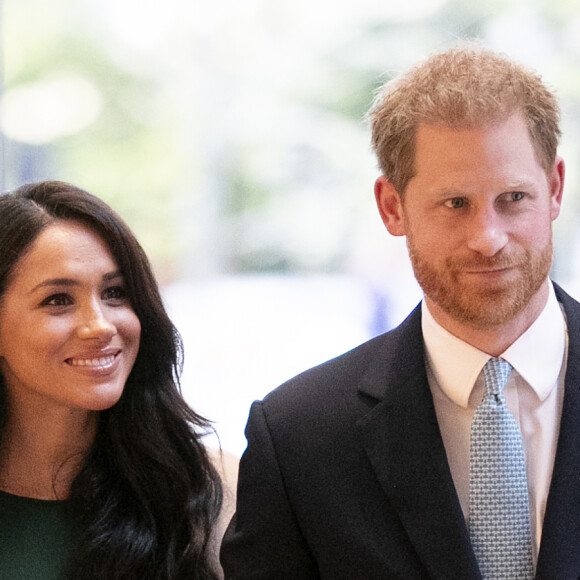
88	362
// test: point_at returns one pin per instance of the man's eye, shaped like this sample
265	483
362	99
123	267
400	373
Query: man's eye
517	195
455	202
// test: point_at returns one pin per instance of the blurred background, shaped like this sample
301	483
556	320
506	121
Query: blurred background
231	137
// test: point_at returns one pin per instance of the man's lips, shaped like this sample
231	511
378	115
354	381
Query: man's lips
487	270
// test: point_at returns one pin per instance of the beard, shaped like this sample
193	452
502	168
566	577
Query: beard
482	306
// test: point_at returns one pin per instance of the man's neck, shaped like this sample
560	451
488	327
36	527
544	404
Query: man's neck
495	340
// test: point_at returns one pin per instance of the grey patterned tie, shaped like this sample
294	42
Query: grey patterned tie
499	513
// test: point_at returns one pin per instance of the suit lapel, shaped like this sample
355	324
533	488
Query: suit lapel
559	555
404	444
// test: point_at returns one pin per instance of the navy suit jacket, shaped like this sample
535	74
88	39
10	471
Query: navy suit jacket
345	475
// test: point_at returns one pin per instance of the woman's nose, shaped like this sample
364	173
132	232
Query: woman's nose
95	324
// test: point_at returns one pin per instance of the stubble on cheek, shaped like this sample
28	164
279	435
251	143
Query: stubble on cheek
480	306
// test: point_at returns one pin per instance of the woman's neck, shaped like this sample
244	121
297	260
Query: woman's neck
40	455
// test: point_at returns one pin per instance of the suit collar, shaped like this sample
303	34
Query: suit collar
403	442
402	358
559	555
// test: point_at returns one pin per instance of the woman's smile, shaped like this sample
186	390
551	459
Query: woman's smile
67	303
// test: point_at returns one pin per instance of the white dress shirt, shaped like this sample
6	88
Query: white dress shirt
534	395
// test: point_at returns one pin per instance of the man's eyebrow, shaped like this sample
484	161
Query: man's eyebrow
519	184
451	192
516	185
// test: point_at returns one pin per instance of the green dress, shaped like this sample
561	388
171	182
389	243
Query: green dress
35	537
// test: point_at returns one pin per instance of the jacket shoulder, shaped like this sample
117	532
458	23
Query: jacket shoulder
366	367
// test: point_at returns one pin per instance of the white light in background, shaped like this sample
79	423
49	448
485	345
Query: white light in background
145	25
40	112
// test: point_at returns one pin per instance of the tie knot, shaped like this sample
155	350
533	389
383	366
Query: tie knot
496	372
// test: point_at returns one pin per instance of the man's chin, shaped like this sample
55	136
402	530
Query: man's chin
484	319
488	310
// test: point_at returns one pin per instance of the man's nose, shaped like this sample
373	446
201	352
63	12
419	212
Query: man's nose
487	232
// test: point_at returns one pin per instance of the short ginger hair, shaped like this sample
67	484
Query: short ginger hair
464	87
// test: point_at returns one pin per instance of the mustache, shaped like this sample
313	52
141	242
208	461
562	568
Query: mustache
497	262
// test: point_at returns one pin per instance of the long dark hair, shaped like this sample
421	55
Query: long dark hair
147	497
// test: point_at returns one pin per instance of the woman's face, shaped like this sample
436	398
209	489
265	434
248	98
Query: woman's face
68	334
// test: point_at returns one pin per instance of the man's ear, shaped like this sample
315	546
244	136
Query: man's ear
390	206
556	184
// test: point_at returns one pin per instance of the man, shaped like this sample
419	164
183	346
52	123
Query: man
363	467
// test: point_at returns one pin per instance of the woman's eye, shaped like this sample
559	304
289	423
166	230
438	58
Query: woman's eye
117	293
57	300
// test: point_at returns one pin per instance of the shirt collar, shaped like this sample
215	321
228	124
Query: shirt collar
536	355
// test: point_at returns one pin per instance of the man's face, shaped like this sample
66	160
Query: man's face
477	216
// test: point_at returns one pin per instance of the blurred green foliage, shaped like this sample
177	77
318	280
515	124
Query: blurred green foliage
231	136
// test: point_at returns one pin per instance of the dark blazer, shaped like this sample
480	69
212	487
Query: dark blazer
346	477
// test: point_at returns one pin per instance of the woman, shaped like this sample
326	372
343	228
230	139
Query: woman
102	471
